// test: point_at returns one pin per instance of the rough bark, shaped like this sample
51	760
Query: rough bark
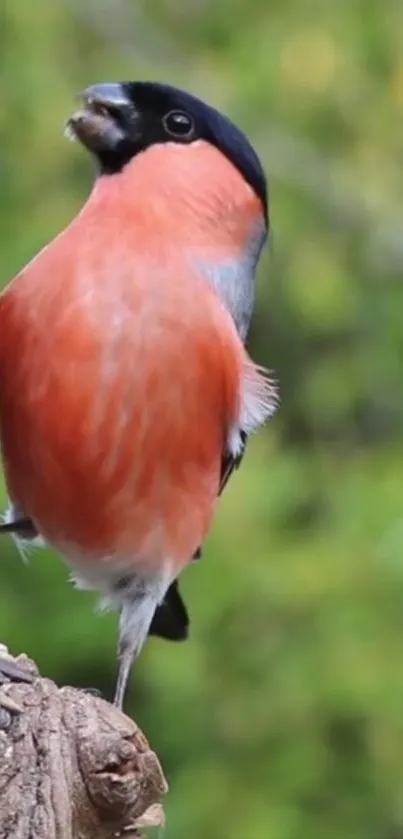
71	765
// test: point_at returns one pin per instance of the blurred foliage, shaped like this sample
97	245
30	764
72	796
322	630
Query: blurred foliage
282	717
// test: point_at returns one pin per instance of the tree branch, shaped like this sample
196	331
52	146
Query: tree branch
71	765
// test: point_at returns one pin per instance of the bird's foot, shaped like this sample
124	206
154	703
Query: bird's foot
10	672
93	692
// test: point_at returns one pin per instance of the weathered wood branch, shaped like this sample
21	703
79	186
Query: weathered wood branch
71	765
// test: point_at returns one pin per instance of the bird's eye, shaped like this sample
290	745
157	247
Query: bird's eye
178	124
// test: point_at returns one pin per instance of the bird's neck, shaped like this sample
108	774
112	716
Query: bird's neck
189	196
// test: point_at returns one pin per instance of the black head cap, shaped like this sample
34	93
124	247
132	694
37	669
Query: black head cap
120	120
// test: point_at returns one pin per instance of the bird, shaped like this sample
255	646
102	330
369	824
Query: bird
171	619
126	392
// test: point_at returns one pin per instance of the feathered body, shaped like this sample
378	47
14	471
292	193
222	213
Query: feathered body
123	377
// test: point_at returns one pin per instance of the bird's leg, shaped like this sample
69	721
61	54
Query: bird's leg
126	657
137	611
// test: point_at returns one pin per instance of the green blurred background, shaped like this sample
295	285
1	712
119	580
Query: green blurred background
282	717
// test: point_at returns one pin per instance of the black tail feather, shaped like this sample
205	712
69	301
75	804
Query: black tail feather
171	619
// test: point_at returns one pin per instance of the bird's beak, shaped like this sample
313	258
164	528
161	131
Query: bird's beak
110	96
104	119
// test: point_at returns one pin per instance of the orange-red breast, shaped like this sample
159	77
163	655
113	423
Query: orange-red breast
126	393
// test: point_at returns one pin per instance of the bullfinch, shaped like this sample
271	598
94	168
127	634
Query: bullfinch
126	391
